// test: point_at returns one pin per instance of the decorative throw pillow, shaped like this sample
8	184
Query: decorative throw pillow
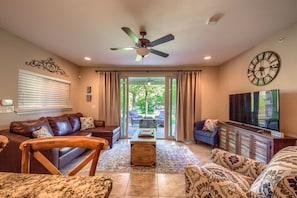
282	164
41	133
86	123
209	125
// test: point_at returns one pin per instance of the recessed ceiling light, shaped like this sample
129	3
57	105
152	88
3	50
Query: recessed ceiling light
87	58
207	57
281	39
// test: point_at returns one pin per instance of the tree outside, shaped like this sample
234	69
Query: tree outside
146	98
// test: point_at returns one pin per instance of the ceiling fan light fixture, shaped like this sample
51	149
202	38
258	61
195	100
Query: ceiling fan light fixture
142	51
143	46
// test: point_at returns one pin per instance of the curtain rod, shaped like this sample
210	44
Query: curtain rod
132	70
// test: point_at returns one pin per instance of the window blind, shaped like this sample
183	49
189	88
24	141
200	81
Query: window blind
39	93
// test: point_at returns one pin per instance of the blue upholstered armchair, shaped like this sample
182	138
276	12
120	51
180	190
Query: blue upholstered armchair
205	135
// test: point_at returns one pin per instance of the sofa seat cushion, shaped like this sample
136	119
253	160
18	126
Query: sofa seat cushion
282	165
243	181
60	125
203	133
63	151
26	128
81	133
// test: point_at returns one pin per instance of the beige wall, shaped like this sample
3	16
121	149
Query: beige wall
233	78
209	93
88	77
14	52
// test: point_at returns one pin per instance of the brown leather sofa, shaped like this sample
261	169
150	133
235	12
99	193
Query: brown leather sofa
65	125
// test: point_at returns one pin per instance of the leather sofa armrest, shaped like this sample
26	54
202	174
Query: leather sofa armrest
99	123
11	155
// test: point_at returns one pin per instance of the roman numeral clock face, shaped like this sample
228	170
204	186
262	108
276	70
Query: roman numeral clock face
264	68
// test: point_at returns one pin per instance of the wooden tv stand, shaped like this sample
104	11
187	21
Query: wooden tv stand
251	142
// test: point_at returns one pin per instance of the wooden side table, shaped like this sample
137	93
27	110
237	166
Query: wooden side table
143	149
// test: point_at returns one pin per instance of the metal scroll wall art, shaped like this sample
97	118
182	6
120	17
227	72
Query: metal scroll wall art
48	65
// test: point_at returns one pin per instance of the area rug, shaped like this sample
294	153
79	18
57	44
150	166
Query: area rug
170	159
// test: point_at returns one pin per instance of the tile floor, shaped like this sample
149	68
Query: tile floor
141	185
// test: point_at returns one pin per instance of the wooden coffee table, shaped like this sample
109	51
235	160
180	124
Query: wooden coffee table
143	147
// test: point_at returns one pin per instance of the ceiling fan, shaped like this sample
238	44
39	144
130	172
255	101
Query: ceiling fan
144	46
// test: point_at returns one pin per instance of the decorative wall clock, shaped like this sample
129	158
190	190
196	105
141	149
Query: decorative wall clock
263	68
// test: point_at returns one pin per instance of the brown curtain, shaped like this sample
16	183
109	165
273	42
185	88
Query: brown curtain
109	98
188	104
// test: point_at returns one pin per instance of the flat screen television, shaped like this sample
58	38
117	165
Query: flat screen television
259	109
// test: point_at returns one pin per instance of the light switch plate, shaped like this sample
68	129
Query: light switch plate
6	102
6	109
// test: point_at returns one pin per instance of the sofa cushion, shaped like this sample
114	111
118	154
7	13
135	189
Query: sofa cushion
86	123
41	133
64	150
26	128
243	181
81	133
210	125
283	164
74	120
246	166
60	125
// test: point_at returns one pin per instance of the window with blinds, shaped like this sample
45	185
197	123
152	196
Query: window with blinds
39	93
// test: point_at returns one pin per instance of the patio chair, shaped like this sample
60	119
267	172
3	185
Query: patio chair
160	118
135	118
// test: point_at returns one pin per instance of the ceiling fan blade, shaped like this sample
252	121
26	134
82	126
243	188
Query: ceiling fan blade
161	40
131	34
122	48
159	53
138	58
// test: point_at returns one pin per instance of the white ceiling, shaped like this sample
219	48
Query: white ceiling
74	29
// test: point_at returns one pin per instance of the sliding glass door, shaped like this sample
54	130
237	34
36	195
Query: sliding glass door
148	99
171	107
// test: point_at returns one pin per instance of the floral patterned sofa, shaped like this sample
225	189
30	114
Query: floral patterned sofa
231	175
